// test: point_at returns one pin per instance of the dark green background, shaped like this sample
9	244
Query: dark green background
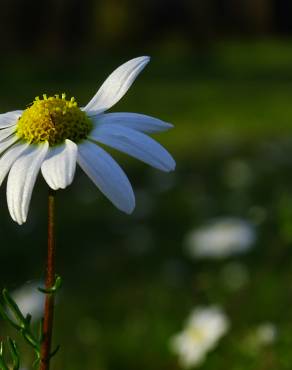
128	283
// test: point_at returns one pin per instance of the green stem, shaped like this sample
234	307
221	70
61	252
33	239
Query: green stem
50	282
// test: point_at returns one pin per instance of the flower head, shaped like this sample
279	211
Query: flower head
53	134
204	327
266	333
221	238
54	120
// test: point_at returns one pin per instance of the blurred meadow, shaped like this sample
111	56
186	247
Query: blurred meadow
221	72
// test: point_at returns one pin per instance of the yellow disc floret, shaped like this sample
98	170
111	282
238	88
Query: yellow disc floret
53	119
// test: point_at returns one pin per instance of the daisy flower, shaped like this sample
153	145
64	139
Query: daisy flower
204	328
53	134
221	238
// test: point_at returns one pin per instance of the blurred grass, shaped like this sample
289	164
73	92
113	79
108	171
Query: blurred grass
233	90
128	283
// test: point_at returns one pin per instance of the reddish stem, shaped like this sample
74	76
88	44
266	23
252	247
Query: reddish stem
50	281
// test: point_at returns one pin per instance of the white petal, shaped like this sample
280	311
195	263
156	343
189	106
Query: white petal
135	121
6	132
21	180
59	166
5	144
7	160
135	144
107	175
9	118
116	85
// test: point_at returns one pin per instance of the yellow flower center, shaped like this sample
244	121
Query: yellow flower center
53	119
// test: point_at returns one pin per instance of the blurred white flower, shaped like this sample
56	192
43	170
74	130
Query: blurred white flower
204	327
30	300
257	338
266	333
221	238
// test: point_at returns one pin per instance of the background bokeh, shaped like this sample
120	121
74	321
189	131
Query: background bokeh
221	72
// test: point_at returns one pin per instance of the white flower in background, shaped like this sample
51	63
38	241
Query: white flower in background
221	238
259	337
204	327
266	333
30	300
53	134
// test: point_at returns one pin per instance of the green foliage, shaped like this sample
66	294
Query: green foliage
11	313
14	353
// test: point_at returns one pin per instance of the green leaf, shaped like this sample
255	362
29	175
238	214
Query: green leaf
14	353
13	307
54	288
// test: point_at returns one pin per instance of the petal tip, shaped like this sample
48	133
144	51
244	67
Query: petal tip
170	166
143	60
129	211
169	125
130	207
173	166
147	58
53	186
20	222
